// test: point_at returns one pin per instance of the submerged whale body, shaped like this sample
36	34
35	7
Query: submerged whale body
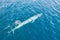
47	27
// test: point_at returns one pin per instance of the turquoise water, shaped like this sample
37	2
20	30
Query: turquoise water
47	27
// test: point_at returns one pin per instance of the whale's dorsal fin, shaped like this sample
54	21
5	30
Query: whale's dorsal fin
17	22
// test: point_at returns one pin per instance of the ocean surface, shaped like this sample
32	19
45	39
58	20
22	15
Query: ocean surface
14	12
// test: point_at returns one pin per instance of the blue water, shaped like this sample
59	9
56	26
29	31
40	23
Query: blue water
47	27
